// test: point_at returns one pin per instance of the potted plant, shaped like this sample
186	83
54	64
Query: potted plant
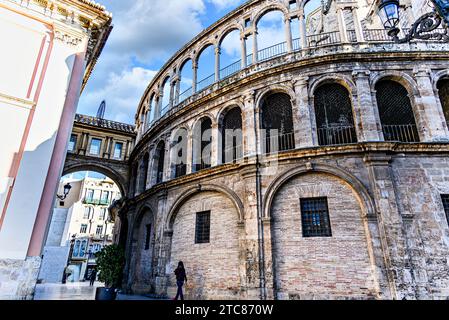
110	262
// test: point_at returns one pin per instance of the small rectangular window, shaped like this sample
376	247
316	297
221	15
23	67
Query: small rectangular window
118	148
72	142
247	23
99	230
445	198
83	228
95	146
148	237
315	218
202	227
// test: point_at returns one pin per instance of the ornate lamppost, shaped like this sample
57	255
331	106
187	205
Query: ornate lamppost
430	26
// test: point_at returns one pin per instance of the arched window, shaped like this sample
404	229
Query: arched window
166	91
334	117
443	92
76	248
159	162
231	136
395	111
271	35
277	122
206	68
230	54
202	139
179	154
186	78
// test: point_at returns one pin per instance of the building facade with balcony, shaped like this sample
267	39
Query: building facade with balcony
312	168
81	226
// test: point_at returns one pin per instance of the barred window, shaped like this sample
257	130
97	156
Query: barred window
83	228
202	228
443	92
315	218
445	198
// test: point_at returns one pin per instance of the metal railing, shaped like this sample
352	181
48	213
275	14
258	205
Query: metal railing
165	109
249	59
336	135
281	142
98	202
322	39
186	94
207	82
296	44
271	52
232	154
231	69
352	35
376	35
402	133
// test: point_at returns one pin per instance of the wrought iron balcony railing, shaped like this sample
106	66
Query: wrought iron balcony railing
231	69
322	39
280	142
98	202
336	135
273	51
402	133
207	82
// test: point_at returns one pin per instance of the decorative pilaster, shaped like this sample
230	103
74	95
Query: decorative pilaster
249	125
302	119
365	108
432	121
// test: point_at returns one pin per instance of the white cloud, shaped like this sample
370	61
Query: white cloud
122	93
224	4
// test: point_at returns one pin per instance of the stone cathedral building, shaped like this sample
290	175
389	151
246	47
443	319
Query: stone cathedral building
312	168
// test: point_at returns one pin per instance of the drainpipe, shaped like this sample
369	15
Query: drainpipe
263	289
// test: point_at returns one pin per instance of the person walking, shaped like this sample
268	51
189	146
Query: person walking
93	277
181	276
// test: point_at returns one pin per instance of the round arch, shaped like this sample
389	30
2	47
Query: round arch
440	75
401	77
225	108
275	89
186	195
333	78
107	171
360	190
269	8
227	31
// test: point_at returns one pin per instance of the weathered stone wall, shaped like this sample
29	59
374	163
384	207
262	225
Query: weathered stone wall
53	264
320	267
212	268
18	278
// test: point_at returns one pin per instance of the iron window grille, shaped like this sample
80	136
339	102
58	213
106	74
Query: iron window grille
443	92
83	228
445	198
202	227
315	218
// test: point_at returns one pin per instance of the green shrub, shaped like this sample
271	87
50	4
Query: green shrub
110	263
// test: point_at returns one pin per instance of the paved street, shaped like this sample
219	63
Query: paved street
74	291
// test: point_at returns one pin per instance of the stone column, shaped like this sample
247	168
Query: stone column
302	30
217	63
342	26
214	146
432	121
368	121
357	25
195	75
249	124
255	47
172	94
244	53
167	160
302	118
288	34
86	143
177	90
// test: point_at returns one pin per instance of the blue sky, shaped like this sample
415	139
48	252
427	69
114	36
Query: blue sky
146	34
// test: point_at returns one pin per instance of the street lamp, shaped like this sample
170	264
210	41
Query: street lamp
67	189
425	28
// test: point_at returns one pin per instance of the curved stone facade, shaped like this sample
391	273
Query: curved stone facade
362	130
